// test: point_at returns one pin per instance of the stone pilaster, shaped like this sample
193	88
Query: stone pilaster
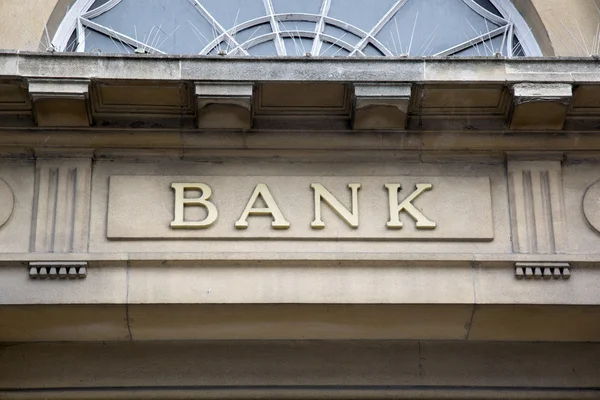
61	207
536	206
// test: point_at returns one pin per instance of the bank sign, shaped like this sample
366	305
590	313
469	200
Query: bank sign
300	207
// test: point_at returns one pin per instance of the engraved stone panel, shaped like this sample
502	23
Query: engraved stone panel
591	205
452	208
7	202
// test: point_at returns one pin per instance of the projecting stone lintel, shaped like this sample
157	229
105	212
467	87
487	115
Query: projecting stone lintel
540	106
224	105
60	102
381	106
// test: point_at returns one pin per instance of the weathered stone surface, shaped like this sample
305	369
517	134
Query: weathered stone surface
477	370
336	283
298	322
381	106
63	322
102	286
591	205
540	106
16	205
7	202
224	106
60	102
536	323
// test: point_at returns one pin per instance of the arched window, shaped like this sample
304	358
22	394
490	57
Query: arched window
297	27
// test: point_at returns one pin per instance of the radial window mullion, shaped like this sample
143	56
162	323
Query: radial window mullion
509	42
316	49
80	37
474	41
485	13
281	51
380	24
216	25
100	10
119	36
338	42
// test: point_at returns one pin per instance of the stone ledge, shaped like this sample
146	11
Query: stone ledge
210	69
483	260
250	283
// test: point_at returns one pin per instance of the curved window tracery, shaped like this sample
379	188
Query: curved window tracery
295	28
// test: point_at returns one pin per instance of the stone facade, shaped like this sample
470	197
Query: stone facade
199	227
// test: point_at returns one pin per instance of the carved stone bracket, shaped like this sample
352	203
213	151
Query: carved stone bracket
60	102
57	270
224	105
542	271
381	106
540	106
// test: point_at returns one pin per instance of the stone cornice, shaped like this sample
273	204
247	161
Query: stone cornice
483	103
264	69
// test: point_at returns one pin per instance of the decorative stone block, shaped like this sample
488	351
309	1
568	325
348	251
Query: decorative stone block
224	105
540	106
519	273
57	270
541	270
381	106
60	102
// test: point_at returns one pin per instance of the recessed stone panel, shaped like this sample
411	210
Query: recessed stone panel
285	99
257	207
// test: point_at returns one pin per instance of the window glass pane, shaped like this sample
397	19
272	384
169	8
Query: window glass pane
232	12
487	4
297	6
517	49
297	46
355	13
437	25
341	34
371	51
172	26
72	43
295	26
331	50
263	49
96	42
252	32
486	48
97	4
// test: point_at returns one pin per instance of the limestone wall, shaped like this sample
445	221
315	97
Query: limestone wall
23	23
